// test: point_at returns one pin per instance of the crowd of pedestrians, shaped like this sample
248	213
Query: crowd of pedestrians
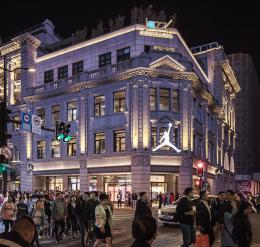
27	218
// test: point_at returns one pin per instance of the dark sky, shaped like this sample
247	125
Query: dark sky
236	26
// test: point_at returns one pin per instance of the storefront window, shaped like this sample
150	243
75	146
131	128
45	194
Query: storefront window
157	186
55	183
93	184
116	184
74	183
154	137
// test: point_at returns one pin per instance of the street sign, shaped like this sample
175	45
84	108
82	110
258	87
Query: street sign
26	121
36	124
6	152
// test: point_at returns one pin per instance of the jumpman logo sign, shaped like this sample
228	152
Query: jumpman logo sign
165	140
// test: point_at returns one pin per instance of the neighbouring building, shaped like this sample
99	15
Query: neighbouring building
247	110
120	91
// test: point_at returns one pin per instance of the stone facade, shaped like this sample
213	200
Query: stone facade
170	84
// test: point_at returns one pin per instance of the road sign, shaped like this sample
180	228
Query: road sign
36	124
26	121
6	152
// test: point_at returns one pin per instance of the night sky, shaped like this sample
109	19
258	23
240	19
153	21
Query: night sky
235	26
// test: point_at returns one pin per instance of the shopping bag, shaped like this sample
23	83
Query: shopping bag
202	240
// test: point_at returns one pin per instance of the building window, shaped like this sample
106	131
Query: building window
175	100
104	59
100	146
164	99
48	76
55	114
74	183
41	147
63	72
72	111
55	149
161	135
154	137
77	68
199	113
176	136
123	54
41	114
153	99
72	147
99	105
119	102
119	141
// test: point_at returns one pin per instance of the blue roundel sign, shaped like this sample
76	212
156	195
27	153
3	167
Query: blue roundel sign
150	24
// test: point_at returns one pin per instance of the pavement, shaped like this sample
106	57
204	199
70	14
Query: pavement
167	236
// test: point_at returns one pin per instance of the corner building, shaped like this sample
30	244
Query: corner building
119	92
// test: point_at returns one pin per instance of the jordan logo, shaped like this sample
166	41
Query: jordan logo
165	140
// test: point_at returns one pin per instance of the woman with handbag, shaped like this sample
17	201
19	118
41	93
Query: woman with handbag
103	223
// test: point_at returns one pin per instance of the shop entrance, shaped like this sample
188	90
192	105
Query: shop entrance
157	186
116	184
55	183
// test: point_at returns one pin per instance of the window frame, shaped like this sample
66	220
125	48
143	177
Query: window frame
106	61
49	76
58	144
72	143
176	100
76	69
151	96
120	100
122	140
164	97
72	111
40	115
100	142
63	74
55	112
41	150
99	105
124	56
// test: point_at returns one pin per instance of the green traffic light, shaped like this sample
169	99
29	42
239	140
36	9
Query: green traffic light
2	168
60	137
67	138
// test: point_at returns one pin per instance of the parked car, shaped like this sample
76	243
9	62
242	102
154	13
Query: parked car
167	213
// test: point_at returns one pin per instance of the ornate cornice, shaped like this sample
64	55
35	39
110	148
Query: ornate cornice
228	71
140	71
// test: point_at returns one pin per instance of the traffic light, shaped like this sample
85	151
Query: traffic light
200	169
62	131
2	168
66	131
3	161
59	131
4	118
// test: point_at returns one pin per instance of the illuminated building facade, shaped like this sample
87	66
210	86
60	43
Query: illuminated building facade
120	91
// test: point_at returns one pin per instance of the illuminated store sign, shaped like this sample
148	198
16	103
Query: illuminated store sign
165	140
163	48
157	29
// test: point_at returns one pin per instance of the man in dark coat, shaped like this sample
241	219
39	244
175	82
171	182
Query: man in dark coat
203	217
142	206
22	234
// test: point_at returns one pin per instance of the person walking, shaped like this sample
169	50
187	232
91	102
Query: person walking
47	208
21	208
103	223
142	206
203	217
119	199
58	216
38	217
72	217
144	230
228	238
185	216
134	199
242	230
160	198
8	212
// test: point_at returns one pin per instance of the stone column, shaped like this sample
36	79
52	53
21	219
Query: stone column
140	173
185	175
100	184
84	186
218	184
26	177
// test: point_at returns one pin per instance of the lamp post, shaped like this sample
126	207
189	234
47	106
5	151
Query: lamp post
5	112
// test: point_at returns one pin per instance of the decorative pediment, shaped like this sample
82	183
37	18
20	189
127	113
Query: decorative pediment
167	62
